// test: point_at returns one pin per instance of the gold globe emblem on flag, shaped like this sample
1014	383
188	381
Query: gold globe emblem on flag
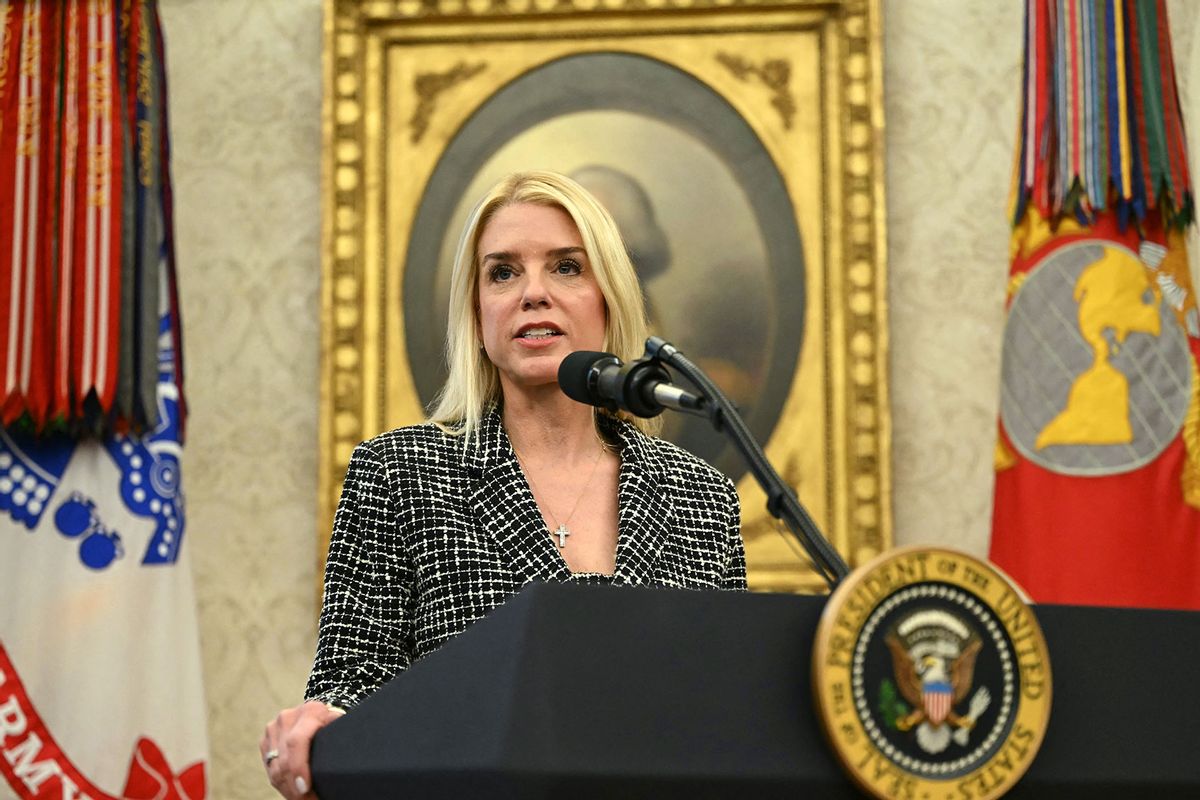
1095	374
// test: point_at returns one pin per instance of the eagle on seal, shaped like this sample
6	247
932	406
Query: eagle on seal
933	682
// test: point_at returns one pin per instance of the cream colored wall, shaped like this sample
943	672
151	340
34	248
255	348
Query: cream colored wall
245	104
245	95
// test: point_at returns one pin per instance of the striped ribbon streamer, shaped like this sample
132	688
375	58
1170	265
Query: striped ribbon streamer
175	317
85	225
24	173
145	206
98	238
1100	123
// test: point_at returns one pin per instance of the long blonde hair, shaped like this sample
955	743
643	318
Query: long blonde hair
473	385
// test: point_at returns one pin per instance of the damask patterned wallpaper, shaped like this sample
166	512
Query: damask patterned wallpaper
245	83
245	95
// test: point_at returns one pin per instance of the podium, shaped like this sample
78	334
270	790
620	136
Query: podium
601	692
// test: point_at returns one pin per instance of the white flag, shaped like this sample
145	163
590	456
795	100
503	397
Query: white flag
100	685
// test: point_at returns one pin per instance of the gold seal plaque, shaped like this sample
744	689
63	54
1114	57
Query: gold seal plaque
932	677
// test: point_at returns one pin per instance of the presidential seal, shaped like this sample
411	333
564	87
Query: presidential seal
931	676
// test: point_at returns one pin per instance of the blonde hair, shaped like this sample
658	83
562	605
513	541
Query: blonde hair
472	388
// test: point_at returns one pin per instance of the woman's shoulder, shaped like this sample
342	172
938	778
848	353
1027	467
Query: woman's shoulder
686	462
426	441
673	459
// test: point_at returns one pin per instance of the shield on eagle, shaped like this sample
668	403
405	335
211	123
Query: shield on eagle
937	697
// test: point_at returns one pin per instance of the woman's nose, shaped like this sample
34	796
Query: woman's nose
535	290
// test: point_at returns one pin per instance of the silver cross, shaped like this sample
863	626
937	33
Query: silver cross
562	533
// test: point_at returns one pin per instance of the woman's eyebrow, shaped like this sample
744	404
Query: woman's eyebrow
504	255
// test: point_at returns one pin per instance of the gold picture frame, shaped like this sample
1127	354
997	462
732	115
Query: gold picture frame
749	134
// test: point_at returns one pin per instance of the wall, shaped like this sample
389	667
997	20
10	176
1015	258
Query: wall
245	89
245	94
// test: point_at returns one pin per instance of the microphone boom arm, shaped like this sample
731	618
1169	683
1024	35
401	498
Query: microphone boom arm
782	502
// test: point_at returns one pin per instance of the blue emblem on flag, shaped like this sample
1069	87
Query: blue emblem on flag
29	474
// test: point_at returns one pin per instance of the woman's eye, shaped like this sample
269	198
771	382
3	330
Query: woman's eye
501	272
568	267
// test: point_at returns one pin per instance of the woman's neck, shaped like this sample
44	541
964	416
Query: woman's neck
546	425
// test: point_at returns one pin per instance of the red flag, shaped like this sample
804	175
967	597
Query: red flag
1098	458
1098	463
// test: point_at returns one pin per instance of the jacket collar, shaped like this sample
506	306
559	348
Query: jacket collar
505	506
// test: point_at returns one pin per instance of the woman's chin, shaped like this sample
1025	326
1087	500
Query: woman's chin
543	377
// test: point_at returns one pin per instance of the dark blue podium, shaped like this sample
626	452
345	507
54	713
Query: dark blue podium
602	692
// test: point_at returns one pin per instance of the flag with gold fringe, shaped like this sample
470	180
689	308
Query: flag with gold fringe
100	687
1097	497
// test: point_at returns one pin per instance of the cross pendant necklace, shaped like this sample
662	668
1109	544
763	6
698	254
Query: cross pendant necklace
562	531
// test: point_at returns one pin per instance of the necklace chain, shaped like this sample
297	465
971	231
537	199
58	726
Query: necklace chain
562	531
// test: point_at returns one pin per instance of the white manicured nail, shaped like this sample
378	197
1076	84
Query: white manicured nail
301	786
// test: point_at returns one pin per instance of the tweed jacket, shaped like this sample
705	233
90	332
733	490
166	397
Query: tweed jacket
433	531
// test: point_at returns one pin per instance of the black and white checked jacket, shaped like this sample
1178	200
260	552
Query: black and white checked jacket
433	532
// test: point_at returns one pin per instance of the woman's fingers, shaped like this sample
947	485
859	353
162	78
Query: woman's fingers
286	743
313	716
274	751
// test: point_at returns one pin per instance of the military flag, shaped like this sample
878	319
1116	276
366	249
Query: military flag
1097	497
100	687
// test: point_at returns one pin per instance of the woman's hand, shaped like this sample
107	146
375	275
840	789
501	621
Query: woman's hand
285	745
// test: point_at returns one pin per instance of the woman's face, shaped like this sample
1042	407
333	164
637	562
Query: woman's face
538	296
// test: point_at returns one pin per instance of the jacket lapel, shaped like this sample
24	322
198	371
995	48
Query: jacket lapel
643	508
505	507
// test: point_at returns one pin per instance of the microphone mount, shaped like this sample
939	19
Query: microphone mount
642	387
782	502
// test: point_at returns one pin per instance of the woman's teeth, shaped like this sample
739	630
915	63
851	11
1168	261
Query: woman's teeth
539	333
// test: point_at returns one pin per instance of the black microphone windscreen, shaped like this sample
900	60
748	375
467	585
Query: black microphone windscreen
573	374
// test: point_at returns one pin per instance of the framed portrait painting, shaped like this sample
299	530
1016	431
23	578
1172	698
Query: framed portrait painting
737	145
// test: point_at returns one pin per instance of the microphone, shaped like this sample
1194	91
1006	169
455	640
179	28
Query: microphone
643	388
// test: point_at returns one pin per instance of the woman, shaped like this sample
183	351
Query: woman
510	481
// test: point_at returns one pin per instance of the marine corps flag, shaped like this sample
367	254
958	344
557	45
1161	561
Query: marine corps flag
1098	459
